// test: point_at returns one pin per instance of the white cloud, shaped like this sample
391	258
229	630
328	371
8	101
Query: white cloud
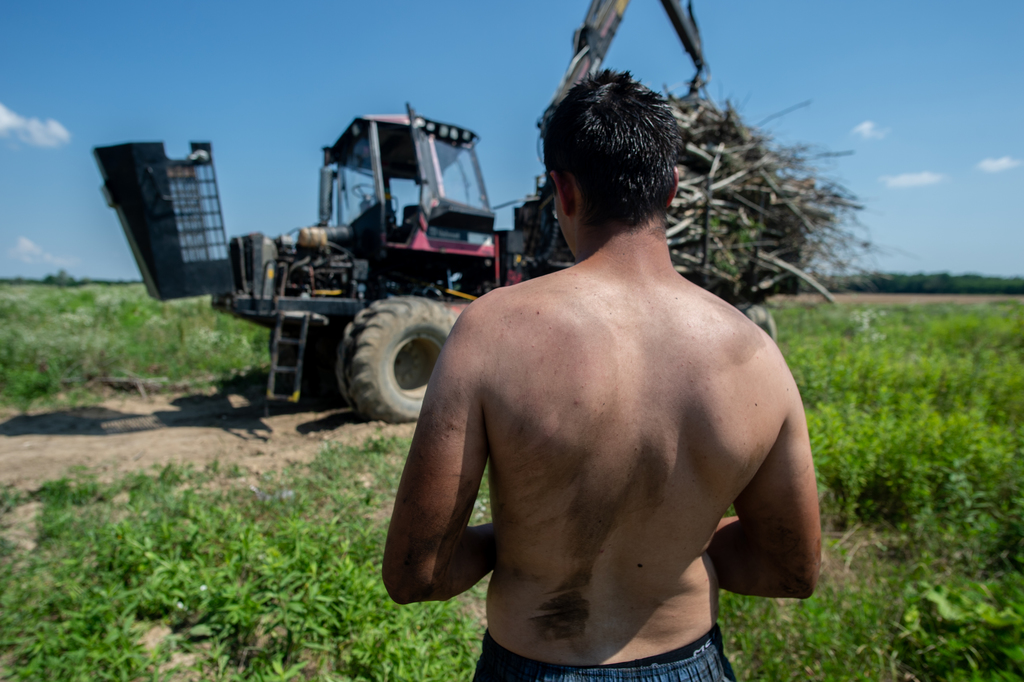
869	131
998	165
912	179
27	251
33	131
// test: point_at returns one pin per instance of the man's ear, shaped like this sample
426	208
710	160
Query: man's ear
675	186
565	188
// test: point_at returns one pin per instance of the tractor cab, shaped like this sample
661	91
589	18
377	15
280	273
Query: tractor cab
406	183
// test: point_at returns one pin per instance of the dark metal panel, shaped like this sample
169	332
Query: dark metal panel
511	241
332	307
238	265
262	264
323	306
123	193
366	229
452	214
170	212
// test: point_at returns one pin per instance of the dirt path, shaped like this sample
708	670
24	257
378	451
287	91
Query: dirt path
131	433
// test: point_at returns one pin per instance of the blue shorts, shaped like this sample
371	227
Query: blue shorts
700	661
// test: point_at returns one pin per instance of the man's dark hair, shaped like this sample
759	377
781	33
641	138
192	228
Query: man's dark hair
621	142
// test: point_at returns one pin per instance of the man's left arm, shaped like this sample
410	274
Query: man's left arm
430	553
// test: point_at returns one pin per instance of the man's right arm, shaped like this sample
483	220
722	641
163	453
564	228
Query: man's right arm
772	548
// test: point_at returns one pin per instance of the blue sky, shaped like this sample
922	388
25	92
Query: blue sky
923	92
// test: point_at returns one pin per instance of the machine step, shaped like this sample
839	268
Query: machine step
279	338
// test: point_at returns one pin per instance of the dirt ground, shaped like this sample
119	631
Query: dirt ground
128	432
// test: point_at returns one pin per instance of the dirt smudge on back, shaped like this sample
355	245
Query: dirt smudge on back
596	510
565	616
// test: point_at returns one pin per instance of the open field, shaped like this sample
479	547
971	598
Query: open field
869	298
158	560
55	343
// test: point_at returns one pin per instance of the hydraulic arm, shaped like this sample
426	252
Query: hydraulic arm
593	38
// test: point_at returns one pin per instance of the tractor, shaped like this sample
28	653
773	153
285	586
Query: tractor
360	303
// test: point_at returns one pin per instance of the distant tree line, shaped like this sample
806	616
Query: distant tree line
932	283
63	279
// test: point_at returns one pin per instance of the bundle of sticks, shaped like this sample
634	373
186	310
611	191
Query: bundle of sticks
753	218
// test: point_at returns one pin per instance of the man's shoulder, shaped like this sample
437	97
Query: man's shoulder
725	341
743	361
714	323
505	309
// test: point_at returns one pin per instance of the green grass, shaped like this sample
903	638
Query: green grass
917	423
268	589
916	417
53	340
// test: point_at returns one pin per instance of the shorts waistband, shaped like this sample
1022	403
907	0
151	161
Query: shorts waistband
680	654
699	660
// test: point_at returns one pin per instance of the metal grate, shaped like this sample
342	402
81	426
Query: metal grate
197	212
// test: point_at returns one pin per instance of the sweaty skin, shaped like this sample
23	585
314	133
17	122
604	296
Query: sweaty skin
622	410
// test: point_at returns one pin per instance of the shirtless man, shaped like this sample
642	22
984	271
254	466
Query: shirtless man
622	410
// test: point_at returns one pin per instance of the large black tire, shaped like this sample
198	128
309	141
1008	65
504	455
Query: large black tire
388	353
762	317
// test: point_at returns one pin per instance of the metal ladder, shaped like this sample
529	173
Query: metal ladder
300	343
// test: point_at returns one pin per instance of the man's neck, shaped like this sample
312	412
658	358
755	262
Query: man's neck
634	252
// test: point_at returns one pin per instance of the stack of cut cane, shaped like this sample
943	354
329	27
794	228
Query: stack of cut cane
754	218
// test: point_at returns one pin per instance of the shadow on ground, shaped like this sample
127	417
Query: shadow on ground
233	413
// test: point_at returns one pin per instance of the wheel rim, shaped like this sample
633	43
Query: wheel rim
413	363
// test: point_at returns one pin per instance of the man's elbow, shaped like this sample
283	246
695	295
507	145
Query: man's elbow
404	588
801	587
800	581
400	595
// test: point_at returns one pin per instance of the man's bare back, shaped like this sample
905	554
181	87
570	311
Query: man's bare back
614	459
622	410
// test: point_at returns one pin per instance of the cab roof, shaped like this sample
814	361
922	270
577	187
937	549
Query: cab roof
445	131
